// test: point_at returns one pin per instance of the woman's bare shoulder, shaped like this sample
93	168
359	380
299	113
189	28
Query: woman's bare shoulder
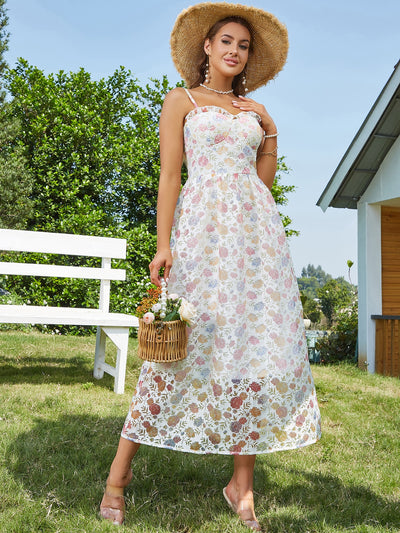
177	101
176	96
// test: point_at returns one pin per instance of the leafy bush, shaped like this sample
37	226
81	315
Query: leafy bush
310	308
340	344
334	295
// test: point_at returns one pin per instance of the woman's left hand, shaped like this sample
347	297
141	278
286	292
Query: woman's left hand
247	104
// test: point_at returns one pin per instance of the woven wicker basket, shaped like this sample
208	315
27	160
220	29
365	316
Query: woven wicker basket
162	342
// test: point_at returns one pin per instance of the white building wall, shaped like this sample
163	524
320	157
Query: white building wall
369	281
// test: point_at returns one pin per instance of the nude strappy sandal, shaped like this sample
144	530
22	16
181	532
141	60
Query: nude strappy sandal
252	524
112	508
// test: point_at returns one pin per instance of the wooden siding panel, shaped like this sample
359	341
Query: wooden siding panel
391	360
387	347
387	351
390	243
380	347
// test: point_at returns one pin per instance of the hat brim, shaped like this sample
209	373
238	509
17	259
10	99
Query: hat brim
270	40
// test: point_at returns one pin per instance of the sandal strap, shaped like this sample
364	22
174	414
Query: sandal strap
113	502
252	524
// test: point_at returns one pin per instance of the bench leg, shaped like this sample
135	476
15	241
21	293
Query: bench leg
120	337
100	354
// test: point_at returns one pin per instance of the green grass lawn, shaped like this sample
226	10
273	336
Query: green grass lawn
59	430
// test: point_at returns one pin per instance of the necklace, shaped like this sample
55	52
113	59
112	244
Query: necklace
215	90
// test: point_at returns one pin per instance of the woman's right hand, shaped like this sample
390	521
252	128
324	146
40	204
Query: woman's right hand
163	258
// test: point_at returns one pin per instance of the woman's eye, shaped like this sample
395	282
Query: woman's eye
243	47
225	41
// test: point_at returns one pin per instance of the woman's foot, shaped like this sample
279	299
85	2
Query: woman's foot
243	507
112	507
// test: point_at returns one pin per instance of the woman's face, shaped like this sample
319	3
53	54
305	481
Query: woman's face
229	49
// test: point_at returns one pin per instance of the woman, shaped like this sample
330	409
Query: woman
245	387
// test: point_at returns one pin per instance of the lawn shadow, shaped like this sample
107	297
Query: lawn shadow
66	462
38	370
43	359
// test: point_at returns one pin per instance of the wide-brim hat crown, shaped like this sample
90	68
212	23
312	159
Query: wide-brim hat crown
270	40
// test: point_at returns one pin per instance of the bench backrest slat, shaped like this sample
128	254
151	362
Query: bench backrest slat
106	248
61	271
62	243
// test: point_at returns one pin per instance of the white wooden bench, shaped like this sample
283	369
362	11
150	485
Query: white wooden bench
115	326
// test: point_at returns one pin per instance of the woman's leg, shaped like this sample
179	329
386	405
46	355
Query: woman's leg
240	489
120	472
112	506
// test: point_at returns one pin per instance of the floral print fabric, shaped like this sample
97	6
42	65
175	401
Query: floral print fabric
246	385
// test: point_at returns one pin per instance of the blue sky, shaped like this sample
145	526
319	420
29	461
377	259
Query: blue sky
341	55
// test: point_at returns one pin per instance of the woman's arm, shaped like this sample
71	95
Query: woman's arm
267	153
171	154
267	158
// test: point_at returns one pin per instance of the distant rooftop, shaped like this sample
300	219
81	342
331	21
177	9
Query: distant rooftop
367	150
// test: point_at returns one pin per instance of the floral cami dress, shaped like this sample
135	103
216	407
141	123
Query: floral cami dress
246	385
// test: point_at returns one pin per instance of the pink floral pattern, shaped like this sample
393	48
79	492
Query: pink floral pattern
246	385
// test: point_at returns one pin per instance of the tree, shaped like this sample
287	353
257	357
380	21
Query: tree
313	277
92	145
15	180
340	344
311	308
4	38
309	287
336	294
279	192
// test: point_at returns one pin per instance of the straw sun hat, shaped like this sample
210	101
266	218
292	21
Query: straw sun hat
270	40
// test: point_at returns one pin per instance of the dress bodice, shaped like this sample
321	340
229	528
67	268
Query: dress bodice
219	141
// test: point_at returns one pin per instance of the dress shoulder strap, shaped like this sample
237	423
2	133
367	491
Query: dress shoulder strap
191	98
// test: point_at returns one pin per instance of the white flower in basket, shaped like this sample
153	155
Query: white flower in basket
187	312
162	330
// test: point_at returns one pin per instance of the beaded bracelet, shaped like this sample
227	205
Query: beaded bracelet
270	136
